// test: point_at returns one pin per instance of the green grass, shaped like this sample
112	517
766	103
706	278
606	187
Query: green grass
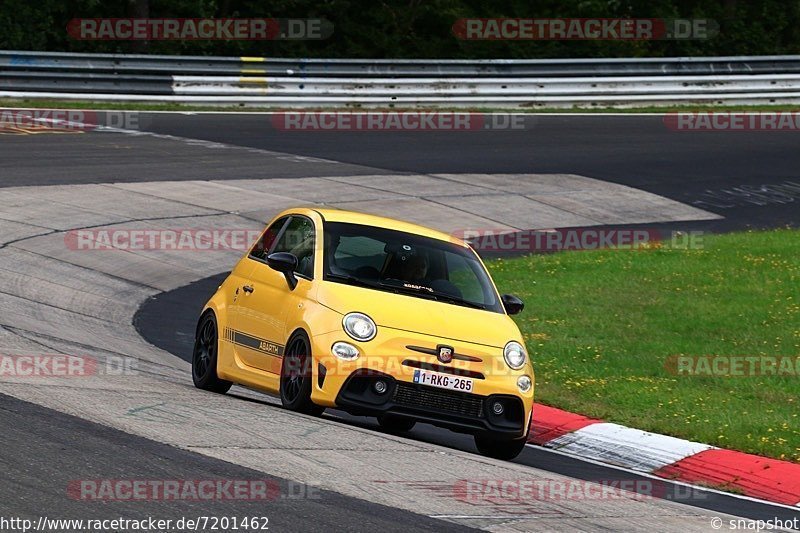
154	106
600	326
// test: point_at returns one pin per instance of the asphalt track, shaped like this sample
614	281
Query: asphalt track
635	150
48	451
176	336
631	150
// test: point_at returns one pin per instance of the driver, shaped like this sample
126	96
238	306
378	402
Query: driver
415	268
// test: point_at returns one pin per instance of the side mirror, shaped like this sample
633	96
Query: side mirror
285	263
512	304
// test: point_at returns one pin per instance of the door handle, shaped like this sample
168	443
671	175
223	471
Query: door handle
248	289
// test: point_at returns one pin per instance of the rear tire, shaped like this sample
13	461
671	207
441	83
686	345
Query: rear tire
204	356
295	387
396	424
505	450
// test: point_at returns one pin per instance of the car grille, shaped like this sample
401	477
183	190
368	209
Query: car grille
458	403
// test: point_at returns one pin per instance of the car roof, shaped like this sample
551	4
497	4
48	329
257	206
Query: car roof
353	217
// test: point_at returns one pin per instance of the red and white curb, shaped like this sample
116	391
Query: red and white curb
667	457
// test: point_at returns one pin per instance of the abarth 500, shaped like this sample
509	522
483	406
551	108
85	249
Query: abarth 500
373	316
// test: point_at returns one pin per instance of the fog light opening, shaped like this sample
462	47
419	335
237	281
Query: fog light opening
380	387
497	408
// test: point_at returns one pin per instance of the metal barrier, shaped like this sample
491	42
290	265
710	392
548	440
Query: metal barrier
380	83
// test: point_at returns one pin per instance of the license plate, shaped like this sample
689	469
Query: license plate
442	381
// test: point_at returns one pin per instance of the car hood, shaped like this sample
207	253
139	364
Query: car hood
418	315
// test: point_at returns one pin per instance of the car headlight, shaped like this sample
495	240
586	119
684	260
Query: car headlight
515	355
359	326
524	384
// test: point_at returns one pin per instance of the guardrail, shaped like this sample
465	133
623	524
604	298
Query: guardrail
380	83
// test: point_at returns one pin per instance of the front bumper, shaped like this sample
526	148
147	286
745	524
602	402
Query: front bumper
349	385
458	411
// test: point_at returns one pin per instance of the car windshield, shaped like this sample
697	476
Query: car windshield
394	261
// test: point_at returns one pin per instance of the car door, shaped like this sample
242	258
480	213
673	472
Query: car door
266	299
243	344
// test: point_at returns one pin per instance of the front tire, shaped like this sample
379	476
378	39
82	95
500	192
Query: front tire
295	387
204	356
504	450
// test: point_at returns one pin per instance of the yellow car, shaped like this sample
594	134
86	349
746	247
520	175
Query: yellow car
375	317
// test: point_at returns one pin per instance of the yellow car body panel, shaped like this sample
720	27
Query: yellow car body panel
255	325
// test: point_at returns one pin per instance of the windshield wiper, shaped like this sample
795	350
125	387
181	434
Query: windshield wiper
458	301
352	280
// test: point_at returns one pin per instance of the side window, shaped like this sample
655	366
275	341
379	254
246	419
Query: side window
298	239
262	247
